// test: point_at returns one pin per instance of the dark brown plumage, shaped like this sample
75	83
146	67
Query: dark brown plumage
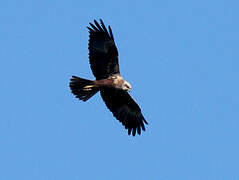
103	56
103	53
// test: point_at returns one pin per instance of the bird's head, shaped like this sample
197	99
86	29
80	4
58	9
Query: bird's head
126	86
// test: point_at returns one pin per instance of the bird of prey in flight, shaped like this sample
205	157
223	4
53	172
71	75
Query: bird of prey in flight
103	56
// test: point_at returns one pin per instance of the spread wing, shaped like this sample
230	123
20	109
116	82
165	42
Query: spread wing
125	109
103	53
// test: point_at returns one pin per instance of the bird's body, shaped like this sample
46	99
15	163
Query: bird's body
103	56
115	81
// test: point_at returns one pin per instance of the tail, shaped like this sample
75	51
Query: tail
82	88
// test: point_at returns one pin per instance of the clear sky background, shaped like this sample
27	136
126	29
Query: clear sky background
182	59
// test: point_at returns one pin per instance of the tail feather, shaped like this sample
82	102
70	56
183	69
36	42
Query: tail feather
82	88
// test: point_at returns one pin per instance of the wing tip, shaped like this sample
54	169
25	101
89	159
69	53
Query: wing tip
137	128
96	27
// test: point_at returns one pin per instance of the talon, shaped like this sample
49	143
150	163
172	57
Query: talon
88	88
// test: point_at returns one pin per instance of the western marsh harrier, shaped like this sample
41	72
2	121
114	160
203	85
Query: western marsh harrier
103	56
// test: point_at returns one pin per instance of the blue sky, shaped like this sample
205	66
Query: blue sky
181	58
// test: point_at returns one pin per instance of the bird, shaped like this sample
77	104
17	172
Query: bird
114	90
